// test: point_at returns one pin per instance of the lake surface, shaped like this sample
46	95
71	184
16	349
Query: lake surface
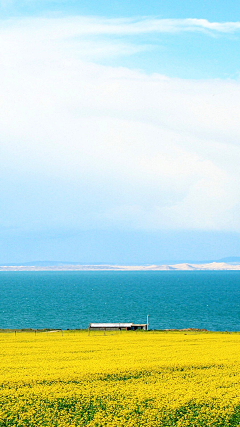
183	299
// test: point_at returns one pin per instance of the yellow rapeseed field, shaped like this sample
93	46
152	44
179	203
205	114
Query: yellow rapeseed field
119	379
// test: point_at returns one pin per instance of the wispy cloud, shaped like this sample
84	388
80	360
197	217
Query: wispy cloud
95	37
73	26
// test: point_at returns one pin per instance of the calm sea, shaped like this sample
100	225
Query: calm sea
64	300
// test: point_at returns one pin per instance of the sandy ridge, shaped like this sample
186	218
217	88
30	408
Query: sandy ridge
171	267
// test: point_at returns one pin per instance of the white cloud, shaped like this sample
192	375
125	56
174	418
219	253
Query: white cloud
53	28
121	147
75	26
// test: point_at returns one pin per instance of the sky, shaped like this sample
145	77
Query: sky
119	131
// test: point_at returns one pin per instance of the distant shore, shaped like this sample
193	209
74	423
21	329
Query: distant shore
212	266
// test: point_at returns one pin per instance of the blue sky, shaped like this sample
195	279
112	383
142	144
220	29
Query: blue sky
119	131
219	10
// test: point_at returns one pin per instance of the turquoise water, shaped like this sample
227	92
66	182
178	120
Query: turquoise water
202	299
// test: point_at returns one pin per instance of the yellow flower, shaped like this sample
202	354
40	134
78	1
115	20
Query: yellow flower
144	379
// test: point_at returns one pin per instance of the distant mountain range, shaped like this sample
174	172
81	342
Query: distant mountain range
44	266
228	260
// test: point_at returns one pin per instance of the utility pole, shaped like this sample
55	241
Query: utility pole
147	321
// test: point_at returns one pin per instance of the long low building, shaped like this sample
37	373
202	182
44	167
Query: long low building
117	326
